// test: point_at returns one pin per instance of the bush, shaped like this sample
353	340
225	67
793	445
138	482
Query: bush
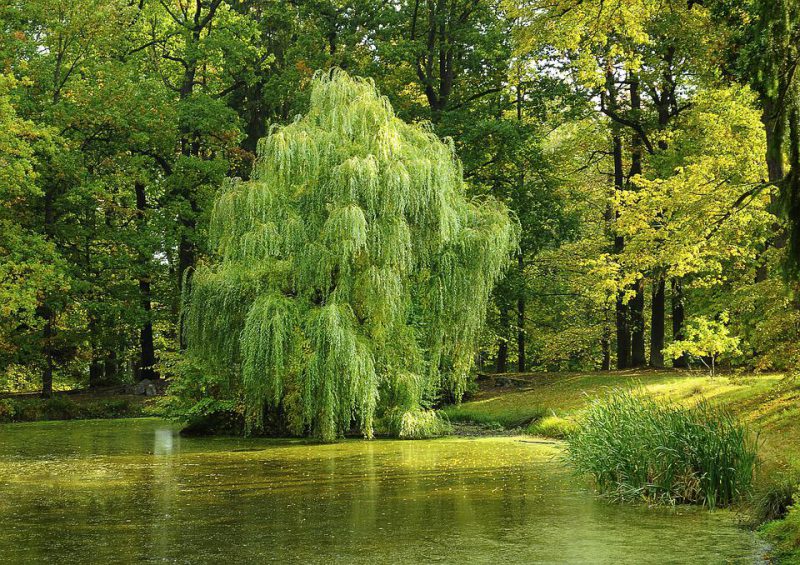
7	410
635	447
60	407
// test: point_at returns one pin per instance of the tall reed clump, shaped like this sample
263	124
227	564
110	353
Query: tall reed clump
637	447
351	274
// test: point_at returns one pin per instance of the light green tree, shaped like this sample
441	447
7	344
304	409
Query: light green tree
706	340
352	273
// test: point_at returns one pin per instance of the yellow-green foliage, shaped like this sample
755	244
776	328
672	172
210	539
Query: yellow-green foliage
351	268
416	424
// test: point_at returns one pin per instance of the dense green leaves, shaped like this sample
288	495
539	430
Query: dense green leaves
351	261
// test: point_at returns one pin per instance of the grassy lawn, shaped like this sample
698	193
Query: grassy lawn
769	402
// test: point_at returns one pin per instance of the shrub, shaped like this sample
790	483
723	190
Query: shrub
7	410
30	410
60	408
635	447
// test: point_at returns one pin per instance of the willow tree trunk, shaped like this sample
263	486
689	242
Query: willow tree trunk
657	325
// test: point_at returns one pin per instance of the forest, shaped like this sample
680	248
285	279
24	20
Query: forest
333	219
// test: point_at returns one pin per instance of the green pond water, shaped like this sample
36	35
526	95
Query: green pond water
134	491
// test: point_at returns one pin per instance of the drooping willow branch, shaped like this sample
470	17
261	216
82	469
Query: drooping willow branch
352	273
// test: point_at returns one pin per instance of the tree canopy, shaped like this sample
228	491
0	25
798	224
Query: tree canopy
351	272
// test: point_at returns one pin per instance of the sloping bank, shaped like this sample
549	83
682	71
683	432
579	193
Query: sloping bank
549	404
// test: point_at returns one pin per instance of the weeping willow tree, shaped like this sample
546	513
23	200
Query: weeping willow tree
351	274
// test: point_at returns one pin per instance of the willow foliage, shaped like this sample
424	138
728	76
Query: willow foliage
352	273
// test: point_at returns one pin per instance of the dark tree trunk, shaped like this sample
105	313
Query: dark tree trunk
678	317
773	119
95	370
47	373
657	325
147	351
623	328
623	335
521	362
774	127
521	317
792	193
605	348
621	309
501	364
638	358
44	310
111	367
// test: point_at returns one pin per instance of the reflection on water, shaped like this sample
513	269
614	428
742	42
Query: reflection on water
164	438
134	491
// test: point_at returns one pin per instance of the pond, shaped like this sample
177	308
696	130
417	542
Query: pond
135	491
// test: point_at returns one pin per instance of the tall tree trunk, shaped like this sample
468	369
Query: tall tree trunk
45	310
773	119
96	361
622	314
621	307
147	352
638	358
47	373
111	367
657	325
501	365
605	348
678	319
774	128
521	365
792	192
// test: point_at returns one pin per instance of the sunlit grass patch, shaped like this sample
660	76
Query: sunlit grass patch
553	426
496	412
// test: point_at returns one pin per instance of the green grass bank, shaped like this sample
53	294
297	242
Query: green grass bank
78	406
